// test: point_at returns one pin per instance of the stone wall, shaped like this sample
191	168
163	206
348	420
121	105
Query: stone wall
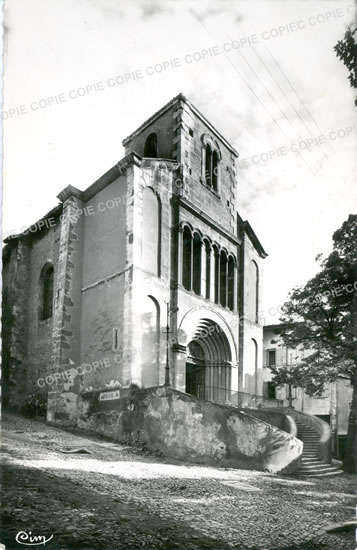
27	347
220	206
44	250
182	427
252	374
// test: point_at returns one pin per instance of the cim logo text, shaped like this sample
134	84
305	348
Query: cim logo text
31	540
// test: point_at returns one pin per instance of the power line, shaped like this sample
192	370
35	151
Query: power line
299	99
286	97
276	103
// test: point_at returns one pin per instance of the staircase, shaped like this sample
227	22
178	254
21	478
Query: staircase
311	465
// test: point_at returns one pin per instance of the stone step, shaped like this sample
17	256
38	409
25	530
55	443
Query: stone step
322	474
309	455
319	471
336	473
320	467
306	461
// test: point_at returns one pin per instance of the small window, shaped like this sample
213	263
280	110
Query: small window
46	283
115	346
272	358
150	149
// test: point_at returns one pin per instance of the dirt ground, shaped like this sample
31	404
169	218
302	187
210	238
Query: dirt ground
112	497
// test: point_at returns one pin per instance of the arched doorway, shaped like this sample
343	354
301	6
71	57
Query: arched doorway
195	370
209	363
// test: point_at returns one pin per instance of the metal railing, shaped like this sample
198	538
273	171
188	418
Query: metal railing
225	396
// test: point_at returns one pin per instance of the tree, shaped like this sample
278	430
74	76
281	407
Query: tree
346	50
322	316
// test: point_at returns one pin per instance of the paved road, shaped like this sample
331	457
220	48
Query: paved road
115	497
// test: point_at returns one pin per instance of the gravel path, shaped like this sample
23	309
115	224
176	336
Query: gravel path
117	497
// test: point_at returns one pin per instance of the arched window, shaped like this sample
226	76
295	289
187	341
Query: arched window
223	279
208	169
196	275
231	283
253	284
208	268
151	232
46	292
216	273
215	161
187	259
211	157
150	149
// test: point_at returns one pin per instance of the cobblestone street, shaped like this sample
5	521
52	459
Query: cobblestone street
111	496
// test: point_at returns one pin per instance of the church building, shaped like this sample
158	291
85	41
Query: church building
148	277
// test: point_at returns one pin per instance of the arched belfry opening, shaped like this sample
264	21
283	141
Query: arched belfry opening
209	363
150	148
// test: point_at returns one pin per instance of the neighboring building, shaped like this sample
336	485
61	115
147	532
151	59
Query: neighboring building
332	406
86	288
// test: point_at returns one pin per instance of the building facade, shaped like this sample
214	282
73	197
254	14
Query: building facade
148	277
332	406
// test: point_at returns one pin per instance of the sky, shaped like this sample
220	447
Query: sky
81	75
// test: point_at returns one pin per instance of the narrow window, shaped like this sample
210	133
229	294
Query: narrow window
115	346
46	280
196	275
208	269
216	274
150	149
215	171
223	279
231	283
187	259
208	171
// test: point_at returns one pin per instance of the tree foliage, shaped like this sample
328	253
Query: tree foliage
322	317
346	50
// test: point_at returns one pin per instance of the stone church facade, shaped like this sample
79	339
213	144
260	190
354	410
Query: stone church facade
148	277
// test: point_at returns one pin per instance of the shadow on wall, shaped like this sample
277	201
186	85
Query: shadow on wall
181	426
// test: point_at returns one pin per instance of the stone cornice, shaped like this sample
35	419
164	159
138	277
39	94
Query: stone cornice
247	228
70	191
